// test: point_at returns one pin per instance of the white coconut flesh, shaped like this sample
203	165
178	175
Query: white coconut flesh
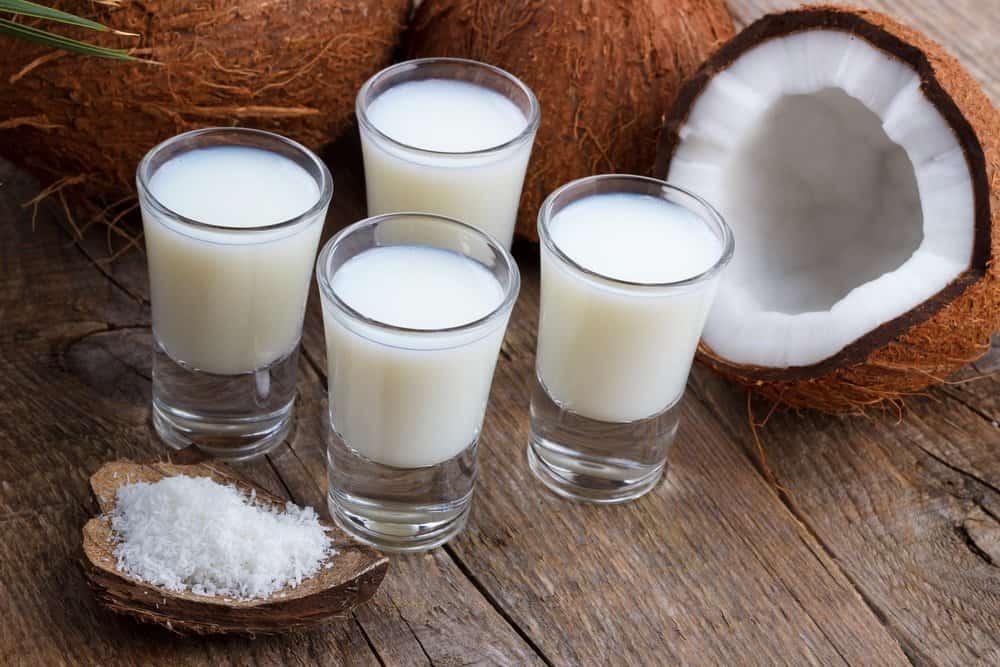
849	196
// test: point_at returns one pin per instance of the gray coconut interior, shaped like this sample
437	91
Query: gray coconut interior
831	202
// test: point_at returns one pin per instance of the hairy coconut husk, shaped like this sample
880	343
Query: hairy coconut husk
350	577
604	73
927	344
289	66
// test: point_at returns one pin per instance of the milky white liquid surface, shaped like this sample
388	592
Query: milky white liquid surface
230	302
446	116
408	399
614	352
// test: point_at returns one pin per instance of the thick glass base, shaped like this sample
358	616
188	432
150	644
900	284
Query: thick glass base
397	527
572	476
230	417
595	461
399	509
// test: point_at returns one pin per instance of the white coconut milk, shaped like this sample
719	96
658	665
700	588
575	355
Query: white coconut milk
454	119
411	399
611	351
230	301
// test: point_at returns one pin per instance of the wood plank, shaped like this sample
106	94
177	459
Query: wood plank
54	431
495	551
426	609
689	574
894	557
901	506
978	385
732	610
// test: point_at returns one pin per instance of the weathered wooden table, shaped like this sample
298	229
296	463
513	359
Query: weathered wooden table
882	545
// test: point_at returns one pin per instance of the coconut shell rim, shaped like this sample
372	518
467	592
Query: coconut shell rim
852	21
259	615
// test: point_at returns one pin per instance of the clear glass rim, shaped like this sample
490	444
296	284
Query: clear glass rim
323	274
545	214
531	126
144	172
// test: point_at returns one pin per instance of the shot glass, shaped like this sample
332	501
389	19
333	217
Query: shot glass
232	220
614	354
432	145
406	401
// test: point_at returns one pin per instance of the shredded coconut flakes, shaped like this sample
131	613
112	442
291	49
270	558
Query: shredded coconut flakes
194	534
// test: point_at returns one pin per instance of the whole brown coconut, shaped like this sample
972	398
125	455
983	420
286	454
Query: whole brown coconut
290	66
927	100
604	73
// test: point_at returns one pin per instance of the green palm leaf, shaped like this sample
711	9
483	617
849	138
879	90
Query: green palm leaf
46	38
25	8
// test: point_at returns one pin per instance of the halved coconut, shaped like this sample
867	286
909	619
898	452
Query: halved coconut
853	159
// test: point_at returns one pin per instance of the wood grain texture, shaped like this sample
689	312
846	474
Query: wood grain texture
112	360
74	393
907	508
689	574
882	548
55	430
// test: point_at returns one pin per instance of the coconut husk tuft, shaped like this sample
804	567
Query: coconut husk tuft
353	575
926	345
604	73
286	66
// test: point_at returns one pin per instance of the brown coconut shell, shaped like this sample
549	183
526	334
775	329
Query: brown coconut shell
353	575
290	66
604	73
927	344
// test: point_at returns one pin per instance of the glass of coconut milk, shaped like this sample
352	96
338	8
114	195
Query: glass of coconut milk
629	268
415	307
447	136
232	220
